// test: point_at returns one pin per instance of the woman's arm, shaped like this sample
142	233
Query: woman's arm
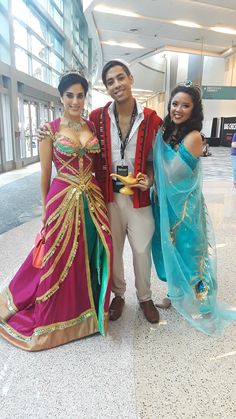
45	152
193	143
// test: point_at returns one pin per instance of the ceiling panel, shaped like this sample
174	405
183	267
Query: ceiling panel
154	30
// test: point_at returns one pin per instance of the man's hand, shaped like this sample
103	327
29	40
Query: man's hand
42	132
143	182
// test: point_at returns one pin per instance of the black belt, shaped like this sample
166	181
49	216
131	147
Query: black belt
115	187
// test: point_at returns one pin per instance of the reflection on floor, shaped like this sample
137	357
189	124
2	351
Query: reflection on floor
140	370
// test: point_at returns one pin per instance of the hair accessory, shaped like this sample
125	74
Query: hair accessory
71	71
195	86
188	83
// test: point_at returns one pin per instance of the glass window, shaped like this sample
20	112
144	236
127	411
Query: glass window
4	3
21	126
56	62
75	62
56	42
4	27
5	54
20	34
56	15
76	35
46	118
7	132
55	79
75	46
85	58
43	113
34	125
20	10
26	138
29	146
43	3
22	60
38	26
59	4
39	49
58	18
51	117
4	39
39	71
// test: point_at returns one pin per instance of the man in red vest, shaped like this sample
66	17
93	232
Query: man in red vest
126	132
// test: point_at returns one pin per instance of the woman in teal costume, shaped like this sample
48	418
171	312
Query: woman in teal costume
183	246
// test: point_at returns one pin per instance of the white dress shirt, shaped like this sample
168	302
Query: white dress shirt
130	149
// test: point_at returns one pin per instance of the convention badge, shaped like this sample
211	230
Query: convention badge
122	171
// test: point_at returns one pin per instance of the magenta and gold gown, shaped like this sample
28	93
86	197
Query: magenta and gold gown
68	298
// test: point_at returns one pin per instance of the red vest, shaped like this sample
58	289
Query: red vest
103	164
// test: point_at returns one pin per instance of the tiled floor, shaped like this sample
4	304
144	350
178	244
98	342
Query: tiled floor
166	371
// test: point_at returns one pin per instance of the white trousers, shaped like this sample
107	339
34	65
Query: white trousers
138	225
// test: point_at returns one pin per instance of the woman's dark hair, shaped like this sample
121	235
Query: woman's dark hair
193	123
111	64
69	79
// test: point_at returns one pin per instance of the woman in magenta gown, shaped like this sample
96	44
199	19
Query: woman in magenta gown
68	297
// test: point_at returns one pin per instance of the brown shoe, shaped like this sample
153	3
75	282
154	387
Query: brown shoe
116	308
150	311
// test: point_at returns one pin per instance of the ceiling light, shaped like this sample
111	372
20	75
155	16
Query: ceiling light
120	12
123	44
142	90
186	23
222	29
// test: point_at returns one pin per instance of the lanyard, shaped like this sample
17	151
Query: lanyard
124	142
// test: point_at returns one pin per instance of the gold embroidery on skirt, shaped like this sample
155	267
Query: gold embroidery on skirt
7	306
67	217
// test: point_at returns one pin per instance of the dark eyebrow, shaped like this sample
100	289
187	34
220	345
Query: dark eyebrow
71	93
184	103
118	75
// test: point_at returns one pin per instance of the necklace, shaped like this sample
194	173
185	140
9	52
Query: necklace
73	125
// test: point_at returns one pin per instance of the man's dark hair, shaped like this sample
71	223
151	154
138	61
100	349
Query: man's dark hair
111	64
72	78
193	123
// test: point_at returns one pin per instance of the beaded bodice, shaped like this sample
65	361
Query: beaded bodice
73	160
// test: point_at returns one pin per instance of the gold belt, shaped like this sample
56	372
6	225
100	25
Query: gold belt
81	182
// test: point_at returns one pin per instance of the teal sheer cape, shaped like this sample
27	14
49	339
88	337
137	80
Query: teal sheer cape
183	246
